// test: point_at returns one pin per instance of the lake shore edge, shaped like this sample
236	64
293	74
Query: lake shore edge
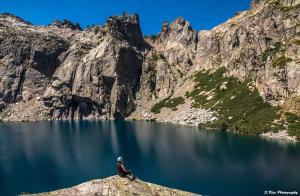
281	136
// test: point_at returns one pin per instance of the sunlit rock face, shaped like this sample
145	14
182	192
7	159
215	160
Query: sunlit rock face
116	185
62	72
261	44
170	58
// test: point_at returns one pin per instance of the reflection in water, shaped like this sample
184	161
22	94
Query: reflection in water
43	156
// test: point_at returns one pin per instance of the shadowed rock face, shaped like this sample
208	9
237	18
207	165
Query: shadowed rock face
100	72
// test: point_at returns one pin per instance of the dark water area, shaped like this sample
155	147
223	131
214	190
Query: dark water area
44	156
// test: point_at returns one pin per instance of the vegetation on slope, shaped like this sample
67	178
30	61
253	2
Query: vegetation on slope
168	103
278	5
238	103
276	48
293	124
281	62
297	42
155	57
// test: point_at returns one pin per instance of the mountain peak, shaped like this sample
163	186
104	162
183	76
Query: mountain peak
177	26
125	18
66	24
180	23
7	16
126	26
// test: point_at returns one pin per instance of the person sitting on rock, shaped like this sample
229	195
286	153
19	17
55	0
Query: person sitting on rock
123	172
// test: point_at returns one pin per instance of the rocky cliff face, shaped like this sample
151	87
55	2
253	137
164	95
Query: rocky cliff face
100	72
222	74
261	44
108	72
171	57
74	74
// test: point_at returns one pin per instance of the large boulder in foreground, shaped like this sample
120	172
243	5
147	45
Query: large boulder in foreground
116	185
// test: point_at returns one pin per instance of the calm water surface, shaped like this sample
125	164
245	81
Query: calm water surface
43	156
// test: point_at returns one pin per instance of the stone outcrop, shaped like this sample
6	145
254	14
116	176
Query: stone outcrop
116	185
282	135
111	71
66	24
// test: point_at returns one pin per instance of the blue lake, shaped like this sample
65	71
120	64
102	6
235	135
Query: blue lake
44	156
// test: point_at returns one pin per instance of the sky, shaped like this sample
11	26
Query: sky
203	14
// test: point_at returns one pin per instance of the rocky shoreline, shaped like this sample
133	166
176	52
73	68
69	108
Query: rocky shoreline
115	185
280	135
276	136
183	118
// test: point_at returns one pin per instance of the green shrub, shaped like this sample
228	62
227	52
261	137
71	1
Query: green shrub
297	42
168	103
154	57
281	61
277	47
157	107
220	124
174	102
293	123
294	132
291	118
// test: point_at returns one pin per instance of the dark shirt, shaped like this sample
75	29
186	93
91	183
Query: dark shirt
121	170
